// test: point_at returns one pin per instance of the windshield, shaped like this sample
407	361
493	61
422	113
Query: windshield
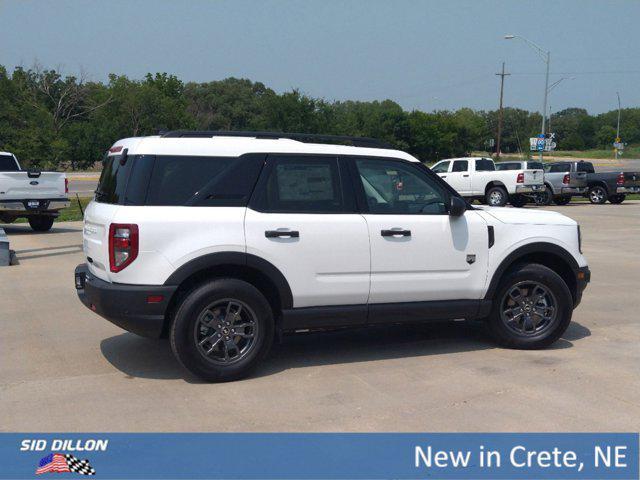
8	164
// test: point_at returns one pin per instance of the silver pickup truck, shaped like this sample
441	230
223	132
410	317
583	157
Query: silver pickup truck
562	182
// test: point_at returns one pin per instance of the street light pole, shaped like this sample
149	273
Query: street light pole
618	127
546	57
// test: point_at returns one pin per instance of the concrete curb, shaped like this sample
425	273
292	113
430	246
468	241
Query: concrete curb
5	253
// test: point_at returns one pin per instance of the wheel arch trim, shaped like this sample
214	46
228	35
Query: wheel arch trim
521	252
240	259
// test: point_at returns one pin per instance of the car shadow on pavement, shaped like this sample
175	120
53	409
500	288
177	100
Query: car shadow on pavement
25	229
139	357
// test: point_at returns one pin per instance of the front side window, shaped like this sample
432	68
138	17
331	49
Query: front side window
395	187
460	166
442	167
303	185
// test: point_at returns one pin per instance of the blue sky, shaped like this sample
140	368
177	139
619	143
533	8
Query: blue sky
423	54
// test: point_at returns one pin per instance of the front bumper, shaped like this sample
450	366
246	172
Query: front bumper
34	205
529	188
628	190
583	277
126	306
573	190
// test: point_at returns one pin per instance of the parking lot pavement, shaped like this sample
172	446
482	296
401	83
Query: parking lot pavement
65	369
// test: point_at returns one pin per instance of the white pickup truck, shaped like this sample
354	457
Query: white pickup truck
476	178
36	196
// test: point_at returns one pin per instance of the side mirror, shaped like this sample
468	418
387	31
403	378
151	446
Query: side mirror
457	206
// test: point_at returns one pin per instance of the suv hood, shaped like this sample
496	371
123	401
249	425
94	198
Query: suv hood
521	216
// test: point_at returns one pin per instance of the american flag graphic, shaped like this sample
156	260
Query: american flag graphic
61	463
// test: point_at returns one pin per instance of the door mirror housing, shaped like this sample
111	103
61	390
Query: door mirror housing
457	206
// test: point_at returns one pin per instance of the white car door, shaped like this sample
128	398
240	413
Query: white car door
303	220
418	252
459	178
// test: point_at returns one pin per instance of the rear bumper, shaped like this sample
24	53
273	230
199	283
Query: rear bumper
27	206
126	306
628	190
529	188
583	277
573	190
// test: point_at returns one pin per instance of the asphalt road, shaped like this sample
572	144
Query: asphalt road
63	368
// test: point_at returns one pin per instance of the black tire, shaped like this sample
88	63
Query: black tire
545	198
597	195
522	275
617	199
518	200
41	223
496	197
186	330
562	200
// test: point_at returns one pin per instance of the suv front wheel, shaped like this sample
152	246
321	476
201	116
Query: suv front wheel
222	330
532	308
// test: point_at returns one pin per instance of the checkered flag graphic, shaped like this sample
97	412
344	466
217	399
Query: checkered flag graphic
79	466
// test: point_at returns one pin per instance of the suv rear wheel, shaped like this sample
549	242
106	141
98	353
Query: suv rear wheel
532	308
222	330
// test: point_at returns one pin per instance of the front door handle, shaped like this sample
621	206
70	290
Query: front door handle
465	175
394	233
282	233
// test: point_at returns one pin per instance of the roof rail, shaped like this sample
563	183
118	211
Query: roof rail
301	137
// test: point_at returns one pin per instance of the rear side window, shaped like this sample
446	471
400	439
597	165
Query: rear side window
203	181
165	180
585	167
485	165
460	166
559	168
302	185
8	164
507	166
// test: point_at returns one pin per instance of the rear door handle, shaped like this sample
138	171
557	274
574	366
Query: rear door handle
394	233
465	175
282	233
443	176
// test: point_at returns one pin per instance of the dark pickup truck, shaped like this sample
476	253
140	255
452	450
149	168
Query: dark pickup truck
603	186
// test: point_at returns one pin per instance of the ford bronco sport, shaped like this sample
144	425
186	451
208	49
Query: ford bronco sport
223	240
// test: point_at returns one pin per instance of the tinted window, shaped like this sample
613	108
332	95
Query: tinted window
442	167
113	179
302	185
559	168
485	165
460	166
203	181
535	166
507	166
585	167
391	186
8	164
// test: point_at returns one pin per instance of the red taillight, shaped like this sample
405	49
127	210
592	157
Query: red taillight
520	178
66	185
123	245
565	179
620	179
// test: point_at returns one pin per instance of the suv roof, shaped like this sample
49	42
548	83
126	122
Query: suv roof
235	144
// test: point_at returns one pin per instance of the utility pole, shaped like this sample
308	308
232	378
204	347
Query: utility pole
618	127
502	75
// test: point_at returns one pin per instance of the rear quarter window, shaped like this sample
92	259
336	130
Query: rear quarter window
8	164
485	165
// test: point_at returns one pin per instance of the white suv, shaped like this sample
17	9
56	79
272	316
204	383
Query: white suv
223	240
